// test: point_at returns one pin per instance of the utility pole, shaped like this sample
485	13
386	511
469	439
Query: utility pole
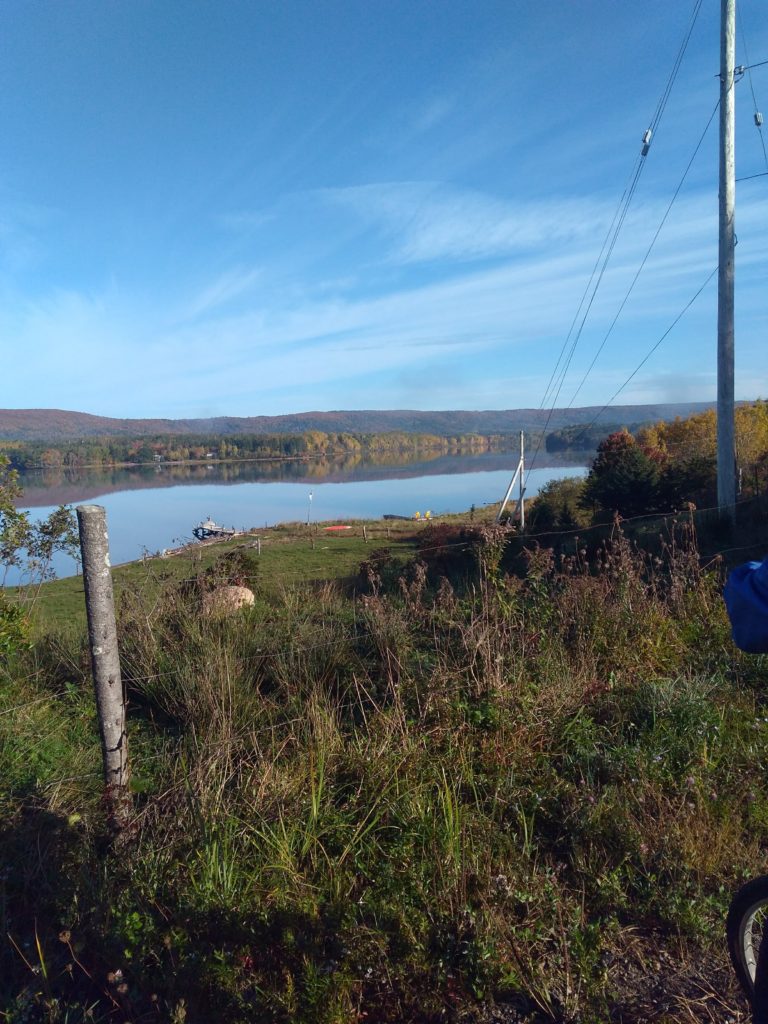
521	499
726	447
518	477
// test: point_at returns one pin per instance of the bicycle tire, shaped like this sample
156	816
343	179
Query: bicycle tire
760	998
740	936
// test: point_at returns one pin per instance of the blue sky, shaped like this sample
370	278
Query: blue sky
244	208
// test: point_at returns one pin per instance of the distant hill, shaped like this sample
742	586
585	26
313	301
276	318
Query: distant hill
61	425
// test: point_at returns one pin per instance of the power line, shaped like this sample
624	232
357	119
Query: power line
611	238
678	61
647	138
588	286
650	352
645	257
748	69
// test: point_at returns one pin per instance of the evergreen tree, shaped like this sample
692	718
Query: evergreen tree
623	478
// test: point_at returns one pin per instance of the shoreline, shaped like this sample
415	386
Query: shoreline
305	457
561	458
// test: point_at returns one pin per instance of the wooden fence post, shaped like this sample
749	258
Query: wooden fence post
105	660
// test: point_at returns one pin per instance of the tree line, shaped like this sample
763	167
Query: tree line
103	451
660	469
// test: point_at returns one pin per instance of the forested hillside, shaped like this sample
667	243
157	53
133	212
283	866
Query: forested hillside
57	424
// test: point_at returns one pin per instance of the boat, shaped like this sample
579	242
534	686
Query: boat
208	529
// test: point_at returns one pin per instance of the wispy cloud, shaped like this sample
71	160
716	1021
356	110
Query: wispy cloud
244	220
474	334
429	221
228	286
432	112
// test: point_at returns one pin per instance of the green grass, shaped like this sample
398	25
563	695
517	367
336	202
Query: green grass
390	802
290	554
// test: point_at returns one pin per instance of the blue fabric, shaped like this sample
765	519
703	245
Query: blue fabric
746	598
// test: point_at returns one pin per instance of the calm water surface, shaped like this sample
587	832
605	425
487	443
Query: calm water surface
154	507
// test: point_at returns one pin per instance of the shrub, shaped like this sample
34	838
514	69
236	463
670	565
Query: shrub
14	628
559	505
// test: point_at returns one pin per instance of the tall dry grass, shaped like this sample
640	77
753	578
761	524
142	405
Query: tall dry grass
395	806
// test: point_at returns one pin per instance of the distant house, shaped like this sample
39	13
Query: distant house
209	455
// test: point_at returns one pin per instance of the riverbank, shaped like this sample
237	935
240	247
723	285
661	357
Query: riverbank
289	553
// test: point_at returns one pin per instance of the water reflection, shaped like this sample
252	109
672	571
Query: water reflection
70	486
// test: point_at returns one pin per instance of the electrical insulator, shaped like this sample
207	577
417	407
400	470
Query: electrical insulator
647	136
758	119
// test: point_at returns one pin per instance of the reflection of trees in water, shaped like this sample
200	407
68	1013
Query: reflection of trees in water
387	459
164	474
70	485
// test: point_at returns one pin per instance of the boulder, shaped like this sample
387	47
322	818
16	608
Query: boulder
227	600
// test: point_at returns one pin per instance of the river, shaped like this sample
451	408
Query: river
154	507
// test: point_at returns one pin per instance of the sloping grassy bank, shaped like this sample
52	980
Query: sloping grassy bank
290	553
400	804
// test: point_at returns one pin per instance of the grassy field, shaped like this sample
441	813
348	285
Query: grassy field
422	777
290	553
